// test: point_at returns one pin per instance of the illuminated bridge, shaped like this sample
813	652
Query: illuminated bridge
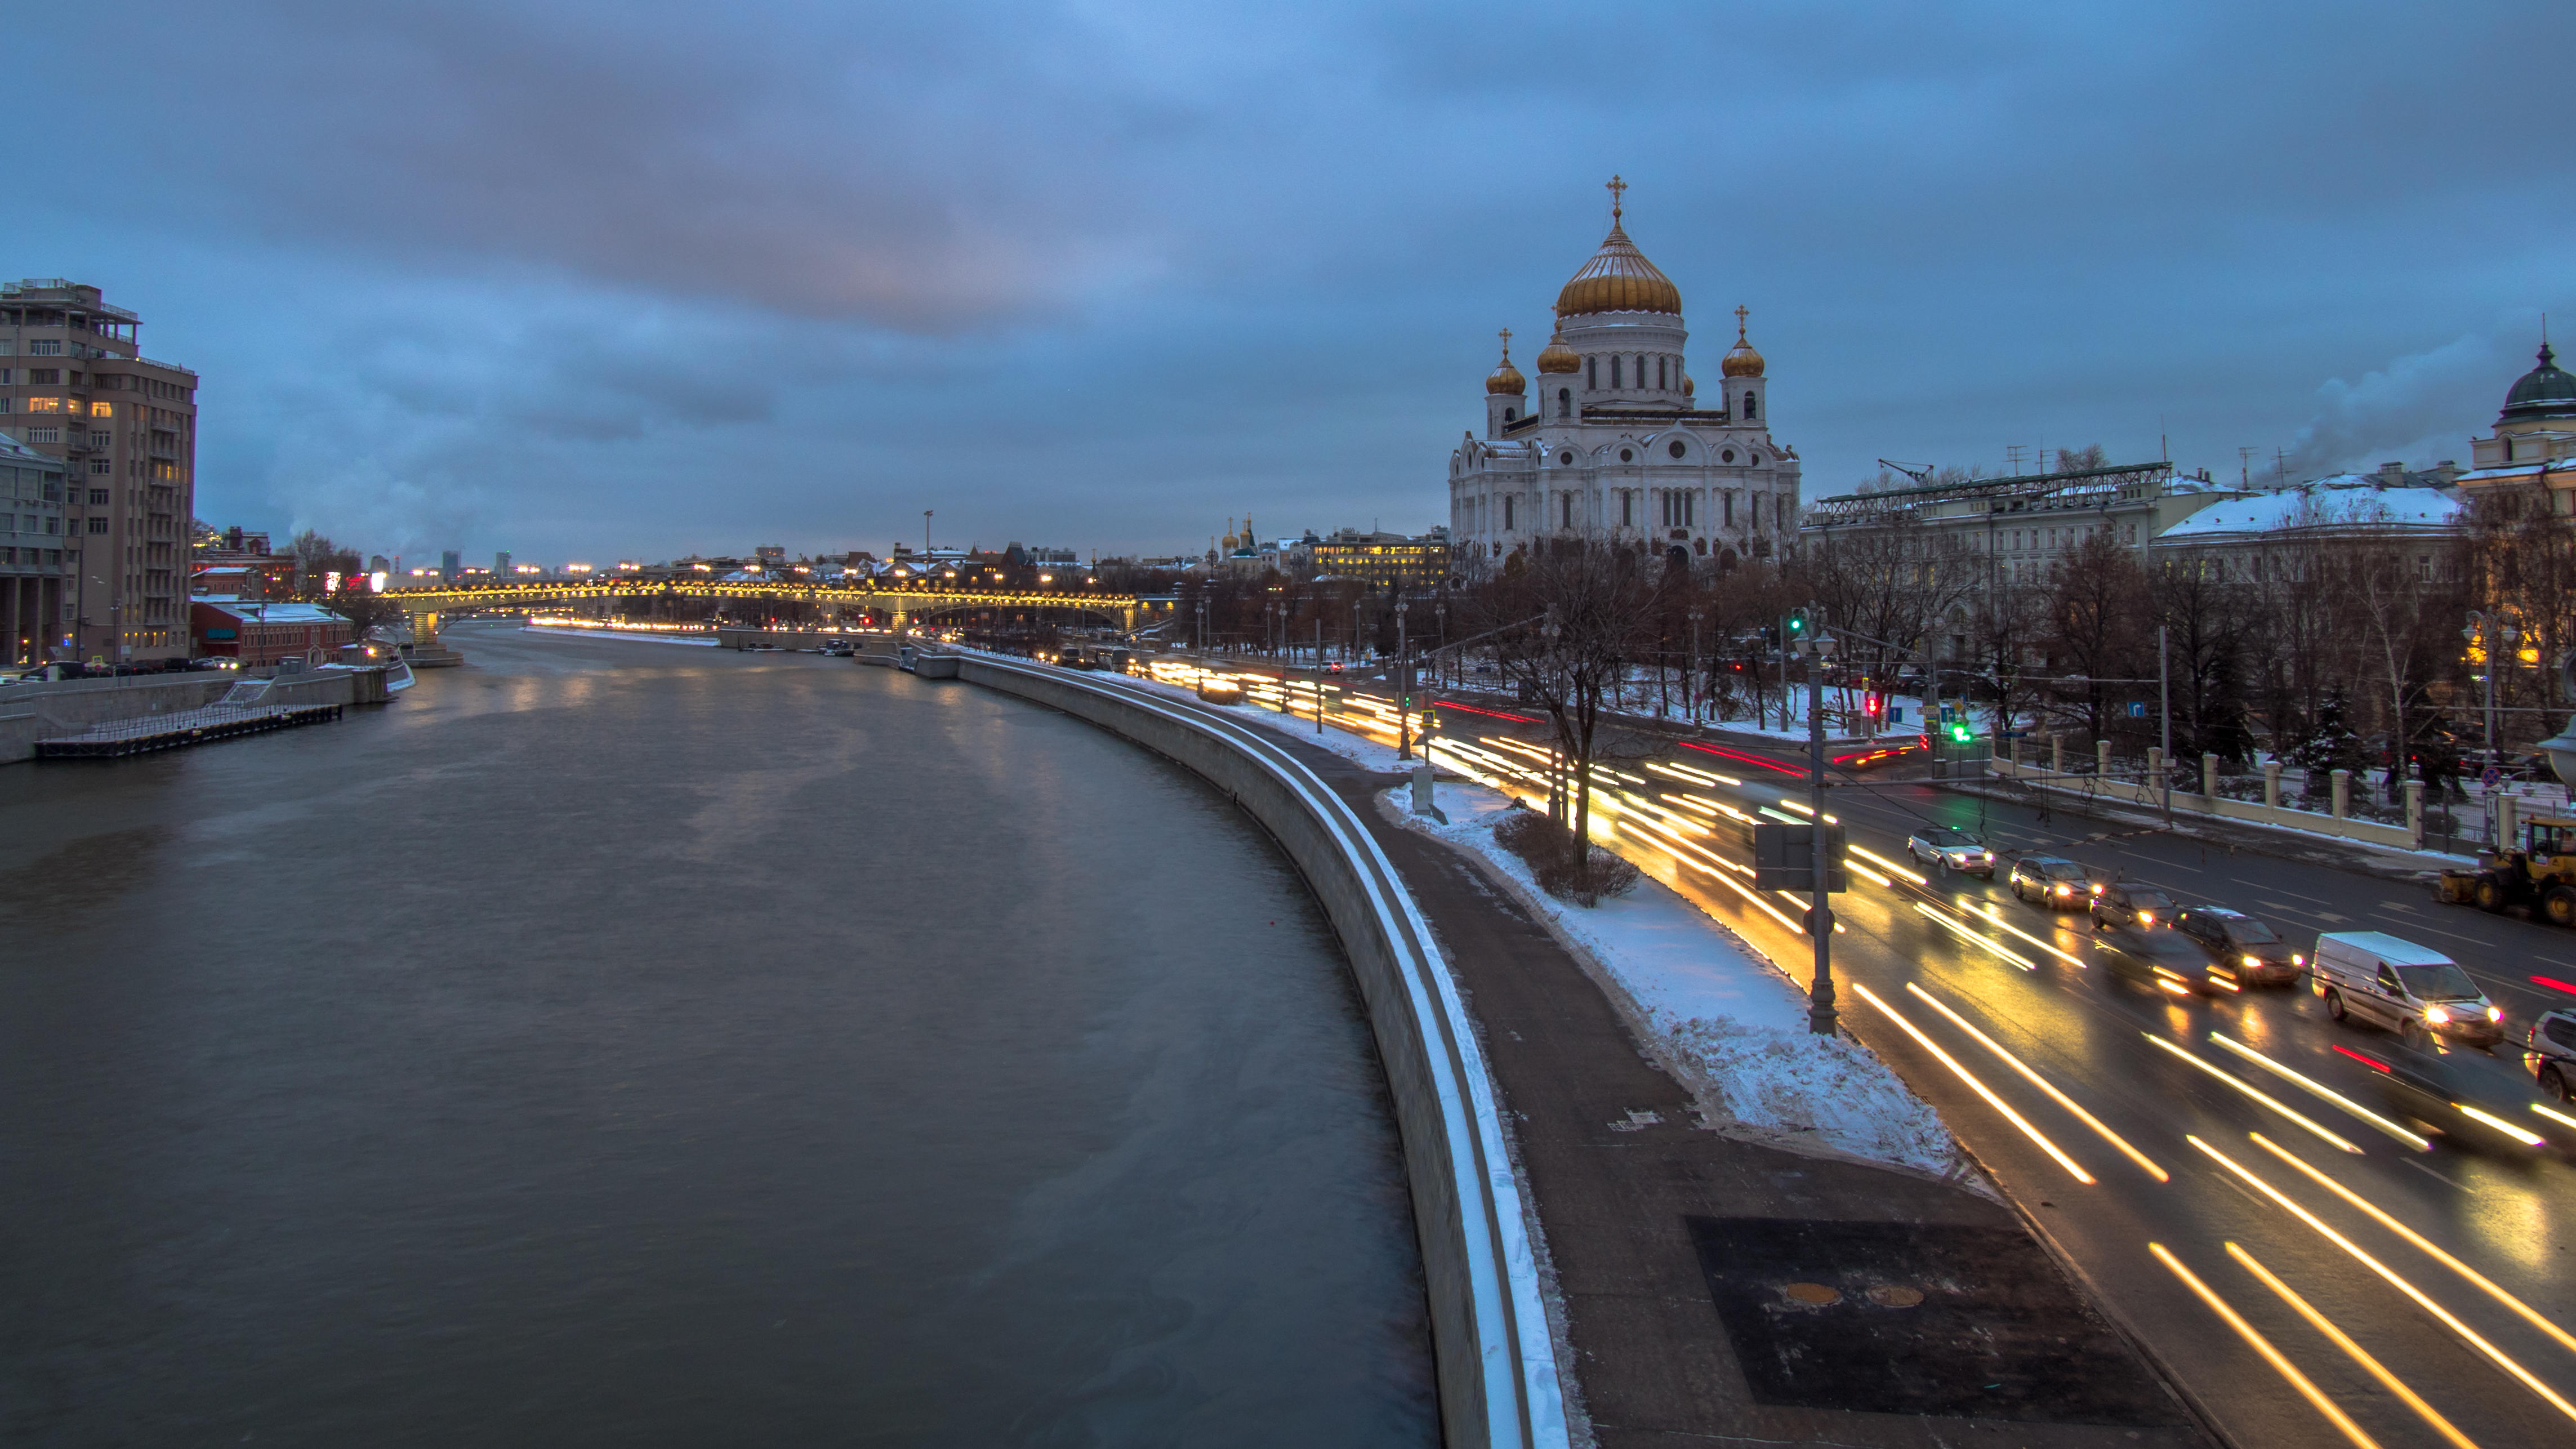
891	604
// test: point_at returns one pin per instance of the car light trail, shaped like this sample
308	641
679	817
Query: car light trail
2530	1314
2267	1099
2412	1139
2036	1080
1980	1088
1998	947
1883	863
1696	777
2554	984
2374	1063
1784	819
1997	917
2527	1139
2356	1352
1729	882
1488	713
1739	757
2449	1320
2553	1115
2279	1361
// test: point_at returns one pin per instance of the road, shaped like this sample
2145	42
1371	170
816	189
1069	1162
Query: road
2113	1118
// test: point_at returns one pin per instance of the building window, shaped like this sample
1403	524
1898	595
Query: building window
1565	510
1592	372
102	410
98	497
1728	505
1510	413
1727	457
1508	501
1753	509
1748	406
44	435
98	525
1565	459
1659	372
101	465
1565	402
44	404
1627	508
1627	455
1614	369
44	349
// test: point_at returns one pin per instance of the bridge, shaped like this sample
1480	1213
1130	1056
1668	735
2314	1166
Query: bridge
896	604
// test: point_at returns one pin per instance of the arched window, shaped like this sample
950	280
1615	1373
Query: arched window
1592	372
1508	510
1614	369
1565	402
1511	414
1748	405
1659	372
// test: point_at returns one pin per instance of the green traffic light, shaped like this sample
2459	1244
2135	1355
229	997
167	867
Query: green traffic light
1959	732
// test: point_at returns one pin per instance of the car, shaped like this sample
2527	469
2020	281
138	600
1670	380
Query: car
2162	959
2127	903
2382	980
2470	1097
2551	1049
2051	881
2246	945
1951	849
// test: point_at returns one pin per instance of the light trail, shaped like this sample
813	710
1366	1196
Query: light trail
2259	1095
1883	863
2488	1286
1997	917
2412	1139
2036	1080
2356	1352
2279	1361
2555	1116
2449	1319
1980	1088
2526	1138
1723	879
1739	757
1696	777
1998	947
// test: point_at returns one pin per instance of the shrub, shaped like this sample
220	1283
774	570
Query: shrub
1542	844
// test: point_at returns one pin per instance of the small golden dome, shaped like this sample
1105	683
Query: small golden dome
1559	358
1506	379
1689	388
1741	359
1618	278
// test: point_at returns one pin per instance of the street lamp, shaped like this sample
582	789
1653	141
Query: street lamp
2484	631
1690	681
1822	1020
1403	687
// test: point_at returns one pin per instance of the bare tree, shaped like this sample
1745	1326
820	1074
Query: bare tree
2096	598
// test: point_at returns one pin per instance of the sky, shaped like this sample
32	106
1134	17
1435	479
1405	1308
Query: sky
589	281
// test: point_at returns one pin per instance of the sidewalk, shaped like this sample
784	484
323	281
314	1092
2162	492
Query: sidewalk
1717	1291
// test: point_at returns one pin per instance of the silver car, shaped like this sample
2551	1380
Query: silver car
1950	848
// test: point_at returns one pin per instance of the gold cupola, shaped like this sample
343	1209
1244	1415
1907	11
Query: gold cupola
1689	388
1506	379
1558	357
1618	278
1741	359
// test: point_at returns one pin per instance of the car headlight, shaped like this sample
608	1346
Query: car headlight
2436	1015
2253	964
2146	918
2495	1013
2066	890
2297	960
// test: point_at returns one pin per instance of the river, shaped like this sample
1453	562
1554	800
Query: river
627	1043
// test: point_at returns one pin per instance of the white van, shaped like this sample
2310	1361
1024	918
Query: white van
2384	981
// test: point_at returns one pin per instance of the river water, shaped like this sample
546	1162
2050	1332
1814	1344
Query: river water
624	1043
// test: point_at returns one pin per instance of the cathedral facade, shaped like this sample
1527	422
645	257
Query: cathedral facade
1612	442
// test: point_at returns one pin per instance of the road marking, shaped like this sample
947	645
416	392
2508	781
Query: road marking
2276	890
2320	1089
2330	916
2307	1388
2437	931
2441	1178
2395	906
1982	1090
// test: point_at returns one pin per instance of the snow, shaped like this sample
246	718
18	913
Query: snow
1730	1022
615	634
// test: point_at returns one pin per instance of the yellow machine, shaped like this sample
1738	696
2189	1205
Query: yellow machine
2541	873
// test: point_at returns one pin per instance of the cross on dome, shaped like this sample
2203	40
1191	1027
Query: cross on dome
1618	189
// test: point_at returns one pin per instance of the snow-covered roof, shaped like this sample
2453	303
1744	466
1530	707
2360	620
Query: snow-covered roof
2347	500
274	613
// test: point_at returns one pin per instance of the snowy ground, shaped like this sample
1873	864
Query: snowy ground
615	634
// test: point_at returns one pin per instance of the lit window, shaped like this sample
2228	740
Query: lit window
102	410
44	404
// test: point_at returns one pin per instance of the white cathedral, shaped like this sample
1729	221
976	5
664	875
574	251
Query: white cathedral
1614	444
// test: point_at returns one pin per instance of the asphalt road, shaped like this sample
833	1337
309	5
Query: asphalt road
2215	1155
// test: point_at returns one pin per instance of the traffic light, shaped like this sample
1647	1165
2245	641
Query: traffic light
1959	731
1795	626
1871	703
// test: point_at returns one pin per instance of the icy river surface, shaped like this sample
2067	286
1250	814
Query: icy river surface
627	1043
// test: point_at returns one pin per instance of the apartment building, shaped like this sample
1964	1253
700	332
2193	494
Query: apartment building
31	554
75	387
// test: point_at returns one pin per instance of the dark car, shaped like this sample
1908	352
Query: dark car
2474	1098
2125	903
2051	881
2166	960
2245	945
2552	1053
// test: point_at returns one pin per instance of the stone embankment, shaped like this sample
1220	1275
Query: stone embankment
30	712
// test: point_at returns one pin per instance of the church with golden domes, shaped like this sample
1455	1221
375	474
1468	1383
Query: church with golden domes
1612	442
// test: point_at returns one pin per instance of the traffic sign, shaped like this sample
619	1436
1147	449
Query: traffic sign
2490	777
2137	709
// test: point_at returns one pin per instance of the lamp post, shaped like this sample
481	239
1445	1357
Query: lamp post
1549	632
1822	1020
2484	630
1403	687
1690	667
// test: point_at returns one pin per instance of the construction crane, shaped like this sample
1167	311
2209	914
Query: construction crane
1921	474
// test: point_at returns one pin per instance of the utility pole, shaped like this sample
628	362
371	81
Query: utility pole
2164	708
1690	681
1403	687
1821	1017
925	536
1319	669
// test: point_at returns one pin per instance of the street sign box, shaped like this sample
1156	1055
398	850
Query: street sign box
1784	856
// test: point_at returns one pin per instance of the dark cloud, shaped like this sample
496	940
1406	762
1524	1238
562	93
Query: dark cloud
581	278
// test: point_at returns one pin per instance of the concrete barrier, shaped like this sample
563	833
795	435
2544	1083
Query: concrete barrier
2127	792
29	712
1496	1364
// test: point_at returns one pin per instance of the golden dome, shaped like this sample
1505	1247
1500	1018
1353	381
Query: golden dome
1741	359
1618	278
1559	358
1506	378
1689	388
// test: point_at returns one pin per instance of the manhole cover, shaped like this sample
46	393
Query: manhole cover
1895	1295
1815	1295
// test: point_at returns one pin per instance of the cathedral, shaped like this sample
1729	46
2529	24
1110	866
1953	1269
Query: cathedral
1613	443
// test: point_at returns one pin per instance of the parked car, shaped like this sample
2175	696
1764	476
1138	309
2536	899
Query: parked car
1951	849
2126	903
2246	946
2552	1048
2162	959
2051	881
2385	981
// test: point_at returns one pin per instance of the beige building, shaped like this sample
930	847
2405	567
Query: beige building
32	573
2533	448
74	387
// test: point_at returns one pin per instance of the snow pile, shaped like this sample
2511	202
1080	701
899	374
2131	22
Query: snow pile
1722	1016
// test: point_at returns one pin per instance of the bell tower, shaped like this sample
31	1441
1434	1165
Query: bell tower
1506	393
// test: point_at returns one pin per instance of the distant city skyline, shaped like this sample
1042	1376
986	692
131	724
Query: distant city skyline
548	280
